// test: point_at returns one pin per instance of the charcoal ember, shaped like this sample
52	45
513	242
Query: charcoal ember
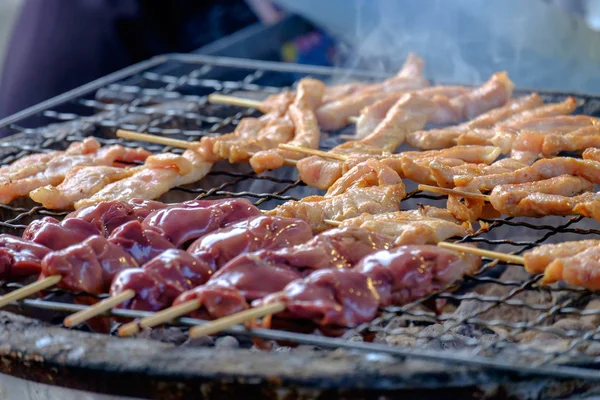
202	341
164	334
227	342
438	337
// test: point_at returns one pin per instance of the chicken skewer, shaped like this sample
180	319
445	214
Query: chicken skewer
575	263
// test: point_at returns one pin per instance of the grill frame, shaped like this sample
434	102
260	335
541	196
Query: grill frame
468	369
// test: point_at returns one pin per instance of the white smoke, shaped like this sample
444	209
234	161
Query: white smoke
464	41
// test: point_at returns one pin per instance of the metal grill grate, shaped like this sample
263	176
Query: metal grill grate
501	318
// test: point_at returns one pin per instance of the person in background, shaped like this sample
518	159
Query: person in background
57	45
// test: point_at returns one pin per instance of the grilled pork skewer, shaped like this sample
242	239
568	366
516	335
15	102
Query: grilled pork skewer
349	297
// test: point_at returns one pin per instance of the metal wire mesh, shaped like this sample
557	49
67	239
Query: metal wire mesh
501	317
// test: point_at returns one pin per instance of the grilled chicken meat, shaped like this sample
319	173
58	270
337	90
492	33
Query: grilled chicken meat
353	202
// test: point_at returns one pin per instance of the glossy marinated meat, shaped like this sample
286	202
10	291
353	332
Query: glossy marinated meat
520	199
307	132
353	202
350	297
190	220
57	235
109	215
87	266
591	154
58	167
332	297
142	244
541	169
261	232
412	227
162	172
20	258
255	275
216	301
372	115
334	114
407	273
496	92
445	173
158	282
537	260
365	174
581	269
79	183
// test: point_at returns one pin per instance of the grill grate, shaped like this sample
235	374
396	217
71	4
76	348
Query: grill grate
501	318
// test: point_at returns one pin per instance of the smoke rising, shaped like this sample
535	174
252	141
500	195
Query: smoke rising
464	41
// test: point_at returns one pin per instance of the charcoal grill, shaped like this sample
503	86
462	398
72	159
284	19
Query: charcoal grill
499	333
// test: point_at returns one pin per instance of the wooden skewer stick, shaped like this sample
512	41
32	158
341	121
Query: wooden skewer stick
30	289
454	192
486	253
332	222
353	119
217	98
144	137
159	318
235	319
98	308
313	152
181	144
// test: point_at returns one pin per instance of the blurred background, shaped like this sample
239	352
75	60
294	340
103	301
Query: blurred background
50	46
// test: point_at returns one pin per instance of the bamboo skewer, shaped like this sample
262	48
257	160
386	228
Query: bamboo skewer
217	98
159	318
313	152
28	290
454	192
98	308
332	222
235	319
182	144
486	253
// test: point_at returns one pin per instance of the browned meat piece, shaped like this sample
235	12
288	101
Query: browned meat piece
374	114
411	227
541	169
276	103
87	266
316	209
79	183
335	92
581	269
519	199
415	165
365	174
20	258
57	235
335	114
444	173
565	107
306	128
494	93
591	154
161	173
58	167
537	260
